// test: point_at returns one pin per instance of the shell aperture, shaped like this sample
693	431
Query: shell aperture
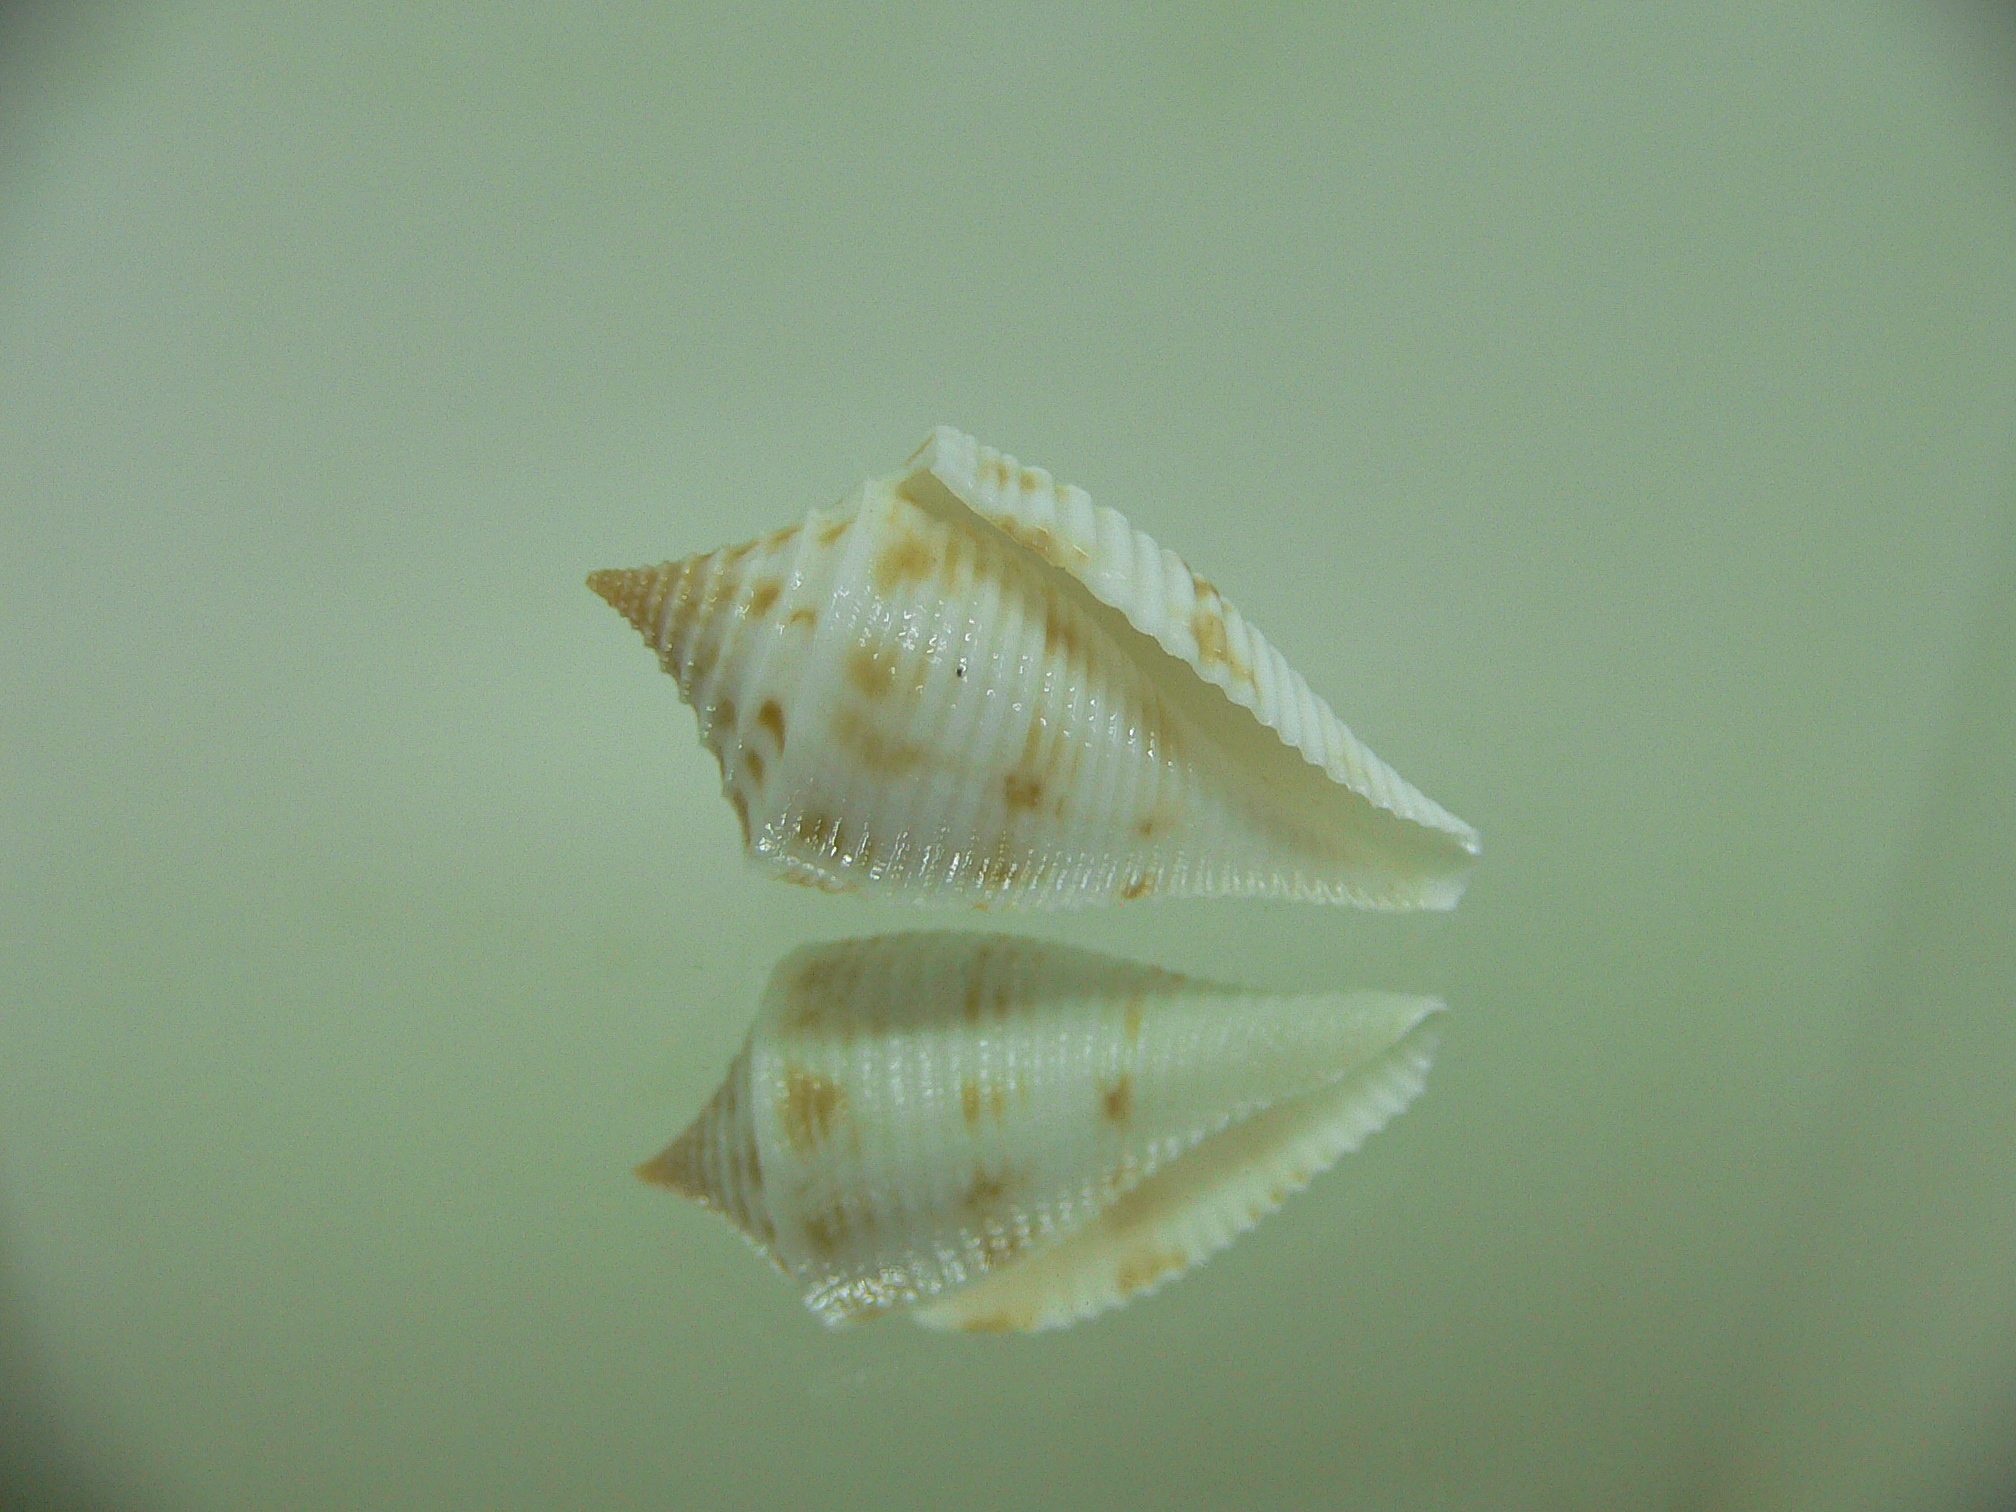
966	684
1008	1135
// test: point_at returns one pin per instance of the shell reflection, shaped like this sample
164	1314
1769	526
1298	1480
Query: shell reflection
1001	1134
965	683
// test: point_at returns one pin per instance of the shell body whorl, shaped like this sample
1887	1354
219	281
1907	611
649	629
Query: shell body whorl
966	684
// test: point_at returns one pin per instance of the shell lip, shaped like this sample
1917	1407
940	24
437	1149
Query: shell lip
954	461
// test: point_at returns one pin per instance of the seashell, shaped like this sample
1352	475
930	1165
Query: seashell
1001	1134
965	683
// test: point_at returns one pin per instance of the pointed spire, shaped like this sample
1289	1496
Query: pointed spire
636	593
677	1168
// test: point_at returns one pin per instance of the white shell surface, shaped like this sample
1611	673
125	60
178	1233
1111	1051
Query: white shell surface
966	684
1011	1135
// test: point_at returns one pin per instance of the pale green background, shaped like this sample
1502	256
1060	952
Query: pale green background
1609	409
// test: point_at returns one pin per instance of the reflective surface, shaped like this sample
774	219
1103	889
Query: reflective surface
1609	416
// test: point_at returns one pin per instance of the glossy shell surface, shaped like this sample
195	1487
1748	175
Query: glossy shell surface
967	684
1005	1135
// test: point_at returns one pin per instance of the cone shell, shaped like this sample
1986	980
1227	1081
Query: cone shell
967	684
1004	1135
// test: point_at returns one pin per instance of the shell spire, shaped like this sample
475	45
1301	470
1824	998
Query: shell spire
715	1162
965	684
636	593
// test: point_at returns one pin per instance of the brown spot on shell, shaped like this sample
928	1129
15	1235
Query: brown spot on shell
730	555
770	715
1130	1021
963	560
1116	1100
906	558
836	973
877	752
752	762
832	530
810	1107
999	1322
1022	790
804	614
763	596
1145	1267
779	537
1213	645
975	1093
826	1230
1063	635
724	714
872	670
984	989
1140	887
810	1014
987	1189
740	803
